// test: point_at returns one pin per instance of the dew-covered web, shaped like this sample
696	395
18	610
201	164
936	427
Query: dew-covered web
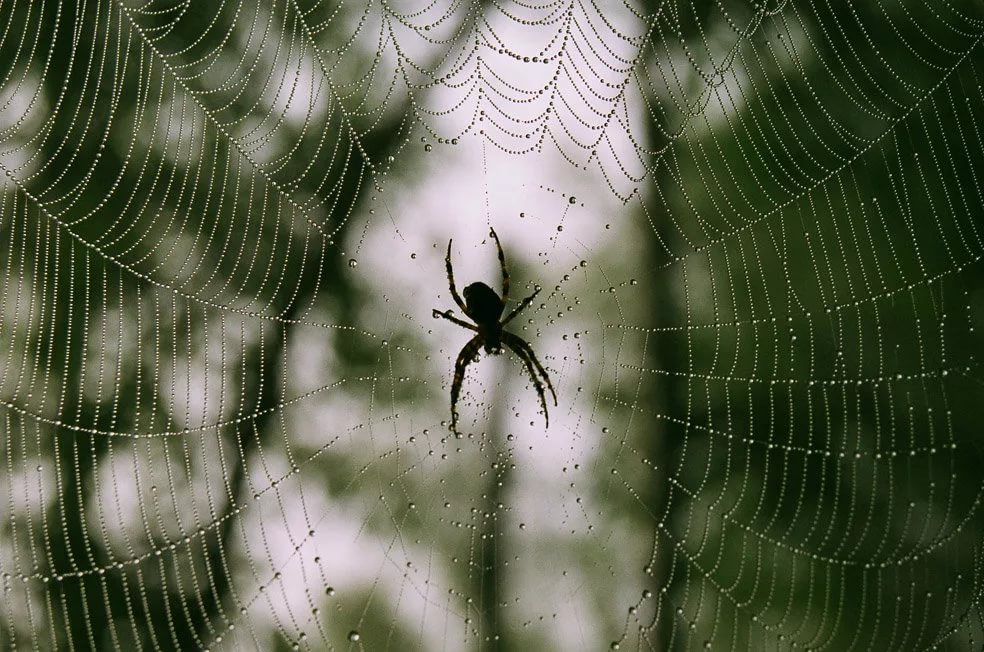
225	404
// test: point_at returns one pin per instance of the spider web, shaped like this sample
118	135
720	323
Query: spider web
225	404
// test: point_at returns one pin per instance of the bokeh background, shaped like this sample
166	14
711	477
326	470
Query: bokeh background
224	403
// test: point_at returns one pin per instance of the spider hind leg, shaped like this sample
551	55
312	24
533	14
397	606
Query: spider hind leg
525	353
514	342
465	358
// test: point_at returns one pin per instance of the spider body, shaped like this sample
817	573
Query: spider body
484	307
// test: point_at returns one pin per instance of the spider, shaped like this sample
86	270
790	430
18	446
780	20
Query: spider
484	307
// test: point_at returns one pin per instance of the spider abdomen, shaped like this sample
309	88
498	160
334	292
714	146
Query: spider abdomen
492	339
484	305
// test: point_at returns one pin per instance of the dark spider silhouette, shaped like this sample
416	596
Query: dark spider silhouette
484	307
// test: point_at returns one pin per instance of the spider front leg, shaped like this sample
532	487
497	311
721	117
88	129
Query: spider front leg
465	358
454	290
446	314
502	265
522	305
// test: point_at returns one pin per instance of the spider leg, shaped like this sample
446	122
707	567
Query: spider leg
521	353
446	314
454	291
502	265
525	302
464	359
516	342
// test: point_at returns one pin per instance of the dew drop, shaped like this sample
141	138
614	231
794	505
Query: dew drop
354	636
428	147
353	262
572	199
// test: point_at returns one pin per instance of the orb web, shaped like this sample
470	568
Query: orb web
225	404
